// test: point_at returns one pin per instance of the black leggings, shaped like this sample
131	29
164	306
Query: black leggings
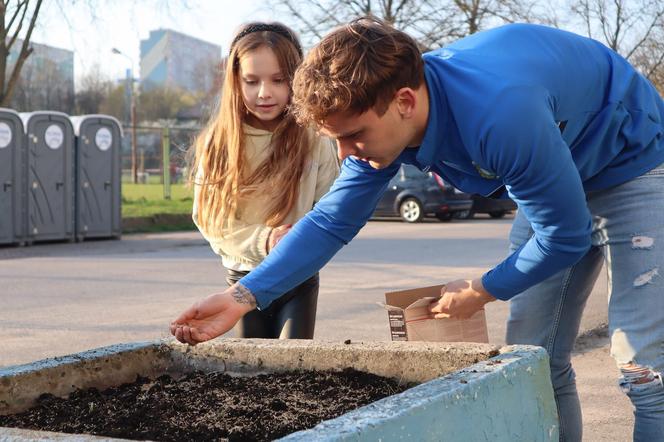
292	316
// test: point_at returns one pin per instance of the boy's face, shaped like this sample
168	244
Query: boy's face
376	139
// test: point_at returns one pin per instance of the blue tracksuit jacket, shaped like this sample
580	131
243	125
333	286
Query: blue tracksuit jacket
546	113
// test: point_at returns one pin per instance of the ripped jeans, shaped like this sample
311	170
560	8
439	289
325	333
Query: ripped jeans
628	234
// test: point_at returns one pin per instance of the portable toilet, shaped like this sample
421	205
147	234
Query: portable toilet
12	178
98	176
50	176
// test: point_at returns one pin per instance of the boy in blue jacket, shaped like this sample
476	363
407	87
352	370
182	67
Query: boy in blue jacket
561	124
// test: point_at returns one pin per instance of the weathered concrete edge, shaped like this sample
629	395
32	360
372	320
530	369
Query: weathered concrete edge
74	358
168	356
102	367
506	398
113	365
406	361
20	435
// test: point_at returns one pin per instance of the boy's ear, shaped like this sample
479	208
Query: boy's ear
406	100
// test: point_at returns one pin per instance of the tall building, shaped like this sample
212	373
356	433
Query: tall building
46	80
170	58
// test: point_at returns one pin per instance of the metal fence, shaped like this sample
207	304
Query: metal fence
160	154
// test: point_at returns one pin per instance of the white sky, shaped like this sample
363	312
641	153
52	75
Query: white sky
123	23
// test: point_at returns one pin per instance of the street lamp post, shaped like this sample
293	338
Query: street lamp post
132	95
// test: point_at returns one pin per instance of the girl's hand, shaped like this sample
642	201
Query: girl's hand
213	316
461	299
275	236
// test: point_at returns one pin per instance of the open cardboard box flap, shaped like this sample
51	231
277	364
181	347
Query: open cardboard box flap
410	320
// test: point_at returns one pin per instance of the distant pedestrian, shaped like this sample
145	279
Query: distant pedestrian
173	172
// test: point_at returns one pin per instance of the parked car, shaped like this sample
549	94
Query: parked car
413	194
496	208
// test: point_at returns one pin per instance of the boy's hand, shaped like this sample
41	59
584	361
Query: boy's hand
213	316
276	234
461	299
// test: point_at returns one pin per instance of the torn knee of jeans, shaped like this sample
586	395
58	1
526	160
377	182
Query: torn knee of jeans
646	277
642	242
637	377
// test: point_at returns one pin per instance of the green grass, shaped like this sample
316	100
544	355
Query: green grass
151	179
160	228
140	200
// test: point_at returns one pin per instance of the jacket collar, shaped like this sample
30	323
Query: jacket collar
438	118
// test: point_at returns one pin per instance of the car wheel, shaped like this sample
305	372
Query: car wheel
411	210
444	216
463	214
497	214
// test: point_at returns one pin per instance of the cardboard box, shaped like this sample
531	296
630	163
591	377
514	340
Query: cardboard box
410	319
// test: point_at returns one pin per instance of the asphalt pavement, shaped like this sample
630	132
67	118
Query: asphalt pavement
64	298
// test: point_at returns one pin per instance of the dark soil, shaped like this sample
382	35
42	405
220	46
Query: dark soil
212	406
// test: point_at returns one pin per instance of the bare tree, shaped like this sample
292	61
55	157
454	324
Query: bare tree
163	103
18	19
114	103
649	59
95	88
43	85
472	16
432	22
15	16
634	29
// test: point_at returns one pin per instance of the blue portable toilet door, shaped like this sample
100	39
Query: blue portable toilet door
8	180
48	181
97	142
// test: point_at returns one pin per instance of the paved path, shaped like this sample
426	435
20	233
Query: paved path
607	413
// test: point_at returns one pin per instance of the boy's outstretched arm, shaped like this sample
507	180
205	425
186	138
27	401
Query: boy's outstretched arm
213	316
309	245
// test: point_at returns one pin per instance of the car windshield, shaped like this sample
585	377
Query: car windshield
411	172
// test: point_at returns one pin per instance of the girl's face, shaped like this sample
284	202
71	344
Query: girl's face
265	89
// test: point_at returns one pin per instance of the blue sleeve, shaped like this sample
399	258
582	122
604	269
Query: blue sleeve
525	148
317	237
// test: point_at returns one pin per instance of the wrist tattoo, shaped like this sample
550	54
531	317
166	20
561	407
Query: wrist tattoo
242	295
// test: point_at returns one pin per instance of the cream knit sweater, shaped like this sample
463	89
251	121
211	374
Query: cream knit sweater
245	246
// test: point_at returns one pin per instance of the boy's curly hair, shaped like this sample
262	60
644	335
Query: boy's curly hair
356	67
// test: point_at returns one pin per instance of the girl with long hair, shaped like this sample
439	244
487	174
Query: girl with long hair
256	172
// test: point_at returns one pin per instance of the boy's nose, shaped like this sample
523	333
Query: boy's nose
345	149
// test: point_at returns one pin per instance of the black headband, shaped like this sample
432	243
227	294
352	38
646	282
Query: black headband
260	27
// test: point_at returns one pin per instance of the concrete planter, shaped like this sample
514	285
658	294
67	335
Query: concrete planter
468	391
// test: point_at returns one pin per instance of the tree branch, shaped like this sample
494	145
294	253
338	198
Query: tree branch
646	36
23	55
25	5
16	12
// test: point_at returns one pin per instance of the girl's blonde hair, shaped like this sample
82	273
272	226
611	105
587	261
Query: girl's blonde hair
217	155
